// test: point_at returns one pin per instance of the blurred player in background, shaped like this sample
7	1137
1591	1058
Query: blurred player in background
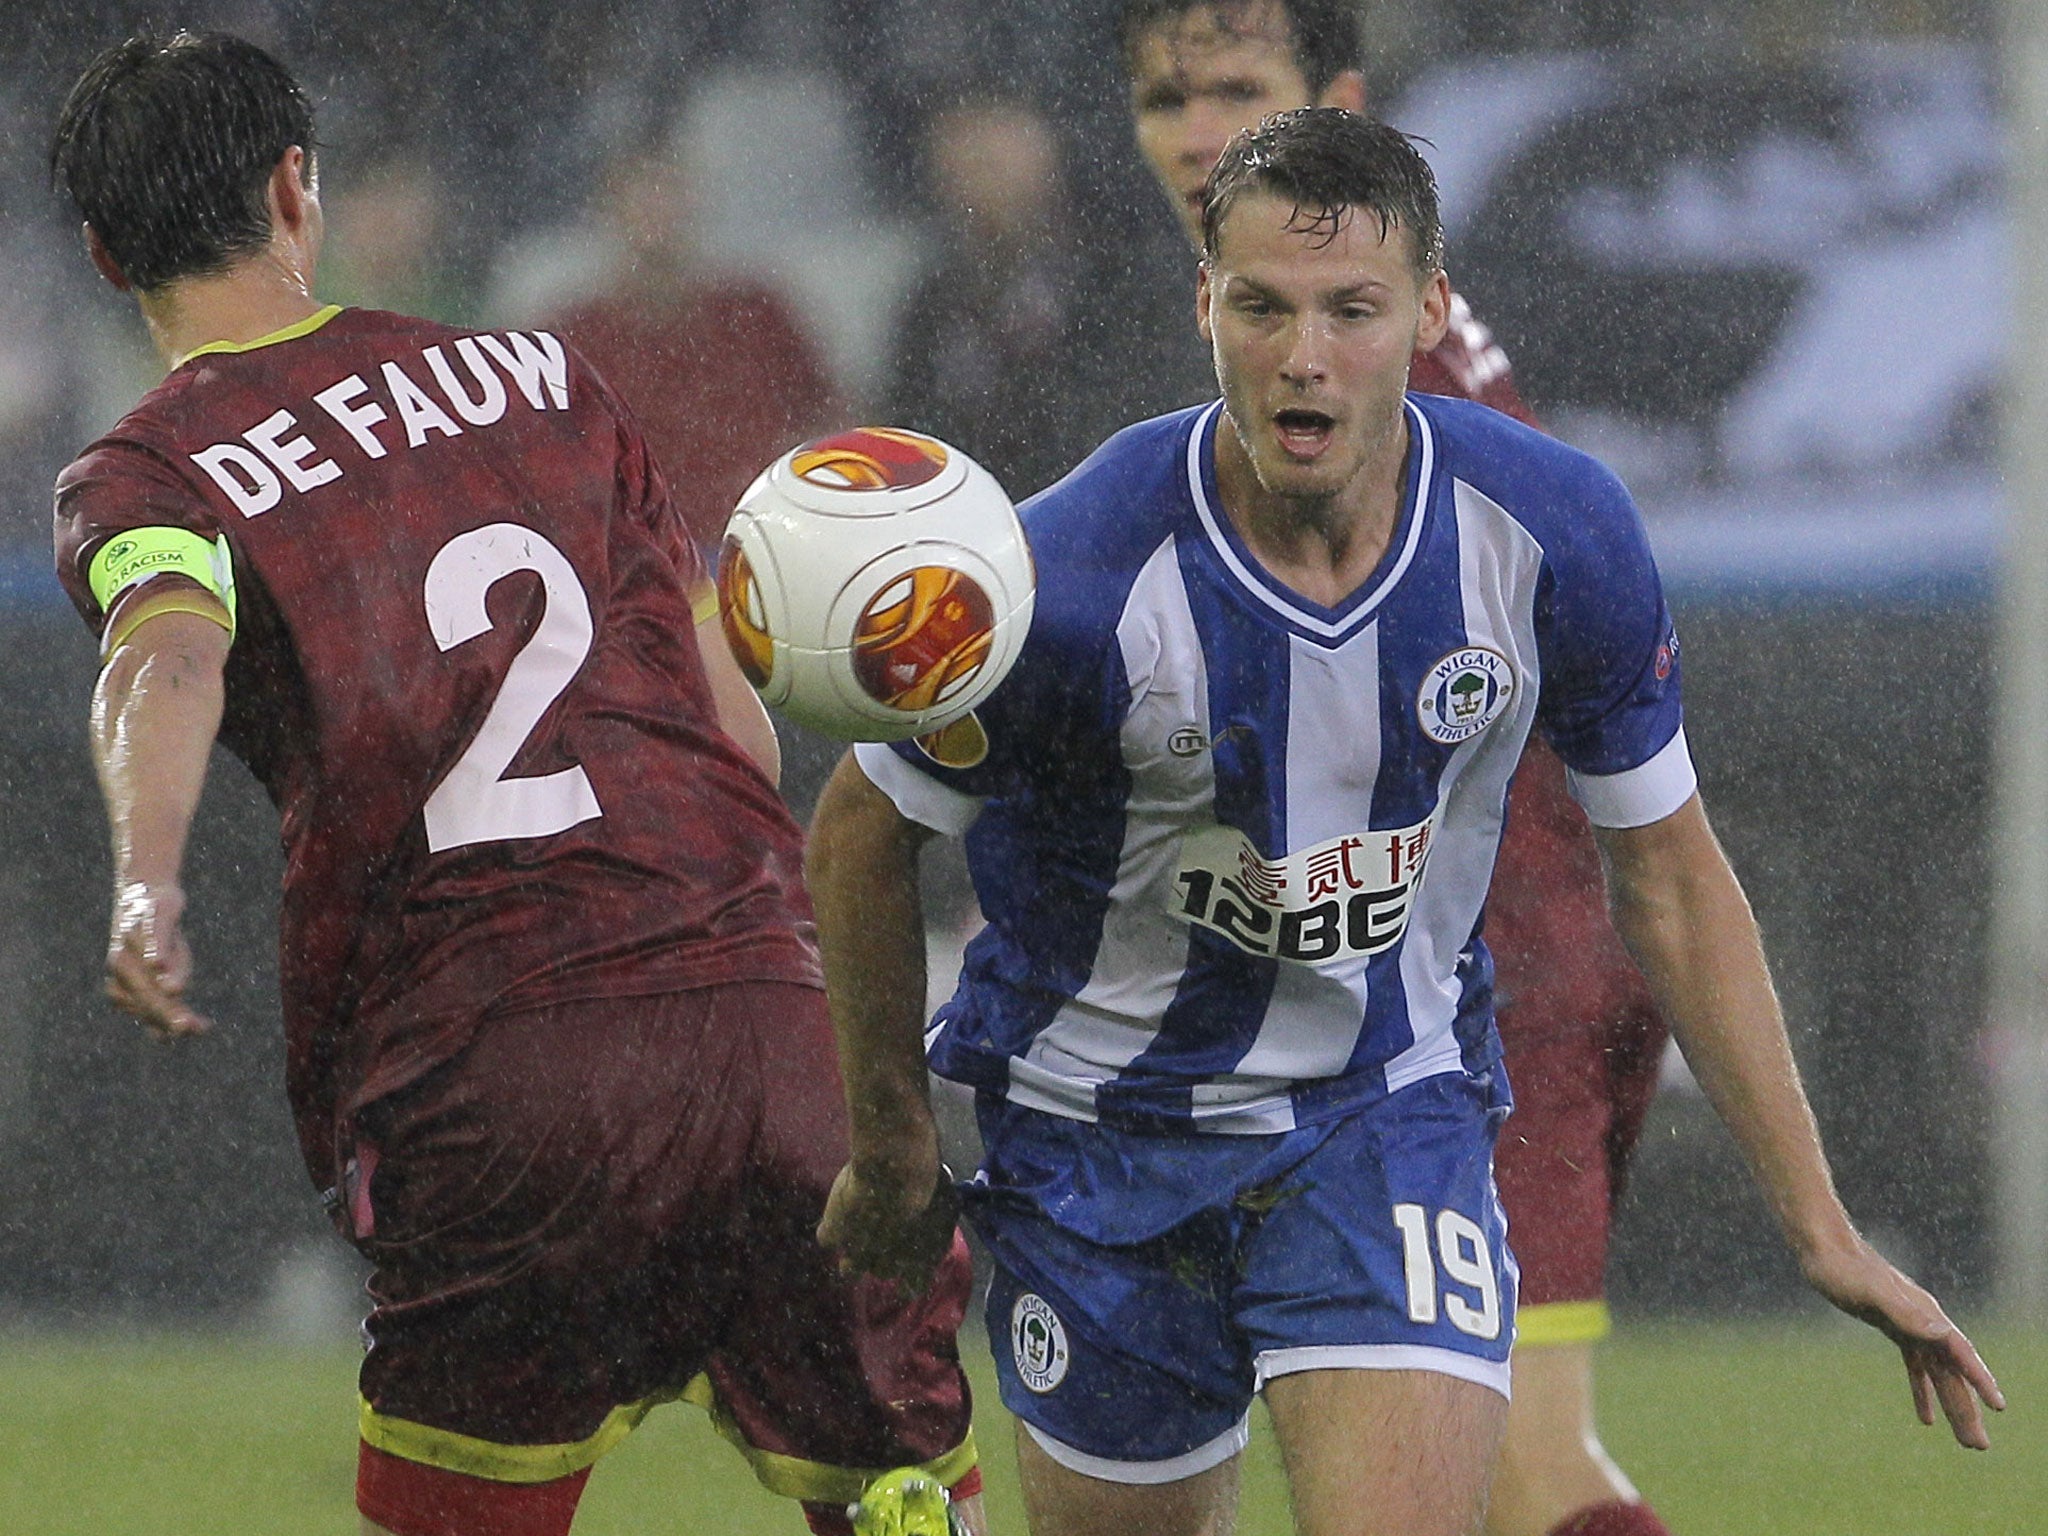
555	1039
1230	1023
1201	70
985	343
1584	1041
714	364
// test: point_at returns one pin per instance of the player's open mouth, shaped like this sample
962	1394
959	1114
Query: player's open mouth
1304	434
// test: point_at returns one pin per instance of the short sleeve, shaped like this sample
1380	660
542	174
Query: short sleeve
942	780
1044	741
1611	695
644	493
119	488
921	797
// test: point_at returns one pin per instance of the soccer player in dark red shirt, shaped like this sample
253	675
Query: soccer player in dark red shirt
555	1038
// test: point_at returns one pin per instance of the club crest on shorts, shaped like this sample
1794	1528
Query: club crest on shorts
1464	693
1038	1343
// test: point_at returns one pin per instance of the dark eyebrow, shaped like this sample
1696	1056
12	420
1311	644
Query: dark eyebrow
1162	93
1241	284
1243	85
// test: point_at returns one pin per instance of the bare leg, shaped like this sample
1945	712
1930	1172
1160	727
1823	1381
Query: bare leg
1386	1453
1551	1463
972	1515
1061	1502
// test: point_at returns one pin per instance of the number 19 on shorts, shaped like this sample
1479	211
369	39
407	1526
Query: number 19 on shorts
1458	1262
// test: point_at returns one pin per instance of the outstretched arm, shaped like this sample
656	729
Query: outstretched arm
1682	913
741	714
155	712
892	1209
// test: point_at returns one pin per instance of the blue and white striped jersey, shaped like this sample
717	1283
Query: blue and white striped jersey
1233	846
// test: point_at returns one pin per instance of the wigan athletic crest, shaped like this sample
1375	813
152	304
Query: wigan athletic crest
1038	1343
1464	693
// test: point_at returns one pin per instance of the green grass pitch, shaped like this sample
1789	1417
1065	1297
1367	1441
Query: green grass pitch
1731	1429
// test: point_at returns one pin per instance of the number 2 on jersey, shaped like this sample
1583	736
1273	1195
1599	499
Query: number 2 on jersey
476	802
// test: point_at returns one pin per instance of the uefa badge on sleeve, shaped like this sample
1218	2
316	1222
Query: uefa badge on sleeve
1464	693
1038	1343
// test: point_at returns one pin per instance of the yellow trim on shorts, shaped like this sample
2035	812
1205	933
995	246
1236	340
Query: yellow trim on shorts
791	1476
451	1452
818	1482
292	332
1563	1322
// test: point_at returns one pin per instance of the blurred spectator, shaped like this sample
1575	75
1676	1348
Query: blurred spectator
989	352
720	373
36	385
389	249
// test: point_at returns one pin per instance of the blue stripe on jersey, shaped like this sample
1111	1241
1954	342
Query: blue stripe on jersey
1221	1001
1478	1043
1057	905
1045	851
1415	633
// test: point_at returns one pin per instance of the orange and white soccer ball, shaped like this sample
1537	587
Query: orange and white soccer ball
875	585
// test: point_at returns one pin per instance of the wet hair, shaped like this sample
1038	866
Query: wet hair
166	146
1330	164
1324	33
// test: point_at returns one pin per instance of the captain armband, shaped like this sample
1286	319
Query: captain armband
130	558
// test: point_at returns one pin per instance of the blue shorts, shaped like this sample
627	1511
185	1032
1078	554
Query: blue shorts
1148	1286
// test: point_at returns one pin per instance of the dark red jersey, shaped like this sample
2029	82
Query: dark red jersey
465	669
1558	963
1560	968
1469	364
1582	1034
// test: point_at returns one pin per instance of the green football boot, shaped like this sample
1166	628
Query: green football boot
905	1502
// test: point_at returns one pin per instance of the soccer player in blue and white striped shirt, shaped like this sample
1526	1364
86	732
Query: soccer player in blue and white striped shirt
1231	821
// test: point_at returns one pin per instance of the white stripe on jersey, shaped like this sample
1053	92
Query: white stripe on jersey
1496	557
1312	1025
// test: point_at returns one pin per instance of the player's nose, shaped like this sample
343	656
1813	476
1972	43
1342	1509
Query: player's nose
1206	130
1305	359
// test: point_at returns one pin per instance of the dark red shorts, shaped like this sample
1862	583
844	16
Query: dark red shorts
602	1205
1583	1042
1580	1098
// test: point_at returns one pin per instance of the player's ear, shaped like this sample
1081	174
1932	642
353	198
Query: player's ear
1203	295
293	193
1347	90
103	259
1436	311
294	198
